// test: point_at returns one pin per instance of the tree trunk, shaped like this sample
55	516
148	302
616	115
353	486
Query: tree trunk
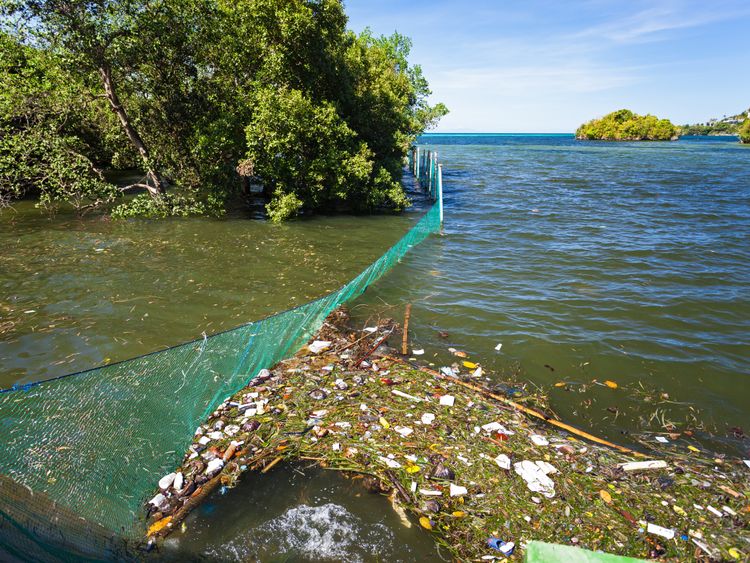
158	187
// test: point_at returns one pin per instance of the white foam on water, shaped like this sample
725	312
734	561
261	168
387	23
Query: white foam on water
317	533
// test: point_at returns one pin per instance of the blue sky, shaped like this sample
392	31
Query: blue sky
547	66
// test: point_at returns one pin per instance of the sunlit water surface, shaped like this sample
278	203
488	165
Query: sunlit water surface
627	262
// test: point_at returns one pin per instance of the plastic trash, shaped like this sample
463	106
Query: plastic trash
457	491
166	481
495	543
537	439
497	427
535	475
393	464
406	396
499	347
403	430
659	531
643	465
428	418
319	346
662	439
417	352
447	400
503	461
506	548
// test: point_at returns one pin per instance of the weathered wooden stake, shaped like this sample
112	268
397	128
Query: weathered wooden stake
405	339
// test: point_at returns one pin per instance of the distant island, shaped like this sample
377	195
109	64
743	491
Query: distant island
625	125
727	125
744	131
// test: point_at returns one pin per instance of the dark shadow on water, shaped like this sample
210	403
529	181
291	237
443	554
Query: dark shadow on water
297	513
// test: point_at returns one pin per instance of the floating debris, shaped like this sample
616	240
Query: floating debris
467	462
447	400
319	346
643	465
659	531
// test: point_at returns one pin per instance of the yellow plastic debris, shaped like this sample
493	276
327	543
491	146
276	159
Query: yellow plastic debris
610	384
159	525
693	449
384	423
470	365
425	523
412	469
733	552
459	514
606	497
560	384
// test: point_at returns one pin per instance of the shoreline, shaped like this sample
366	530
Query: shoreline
474	469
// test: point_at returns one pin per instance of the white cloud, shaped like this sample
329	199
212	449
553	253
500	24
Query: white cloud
652	24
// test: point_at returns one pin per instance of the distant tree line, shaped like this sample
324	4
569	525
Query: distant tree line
204	96
624	125
718	128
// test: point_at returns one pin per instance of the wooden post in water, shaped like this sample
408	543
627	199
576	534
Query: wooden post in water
405	338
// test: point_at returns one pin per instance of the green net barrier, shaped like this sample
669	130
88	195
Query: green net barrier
94	444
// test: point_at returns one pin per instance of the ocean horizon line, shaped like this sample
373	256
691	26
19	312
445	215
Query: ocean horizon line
435	133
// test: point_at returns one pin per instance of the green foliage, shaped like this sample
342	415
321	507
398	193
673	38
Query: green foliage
171	204
55	166
718	128
744	131
313	158
191	87
624	125
52	132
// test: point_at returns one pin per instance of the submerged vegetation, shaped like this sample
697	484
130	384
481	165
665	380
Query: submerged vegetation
204	97
624	125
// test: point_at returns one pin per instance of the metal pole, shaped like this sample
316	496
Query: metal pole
429	172
440	190
435	174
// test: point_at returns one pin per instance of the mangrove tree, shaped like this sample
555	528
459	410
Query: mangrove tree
203	97
624	125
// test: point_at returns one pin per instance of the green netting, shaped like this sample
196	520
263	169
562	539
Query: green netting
94	444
